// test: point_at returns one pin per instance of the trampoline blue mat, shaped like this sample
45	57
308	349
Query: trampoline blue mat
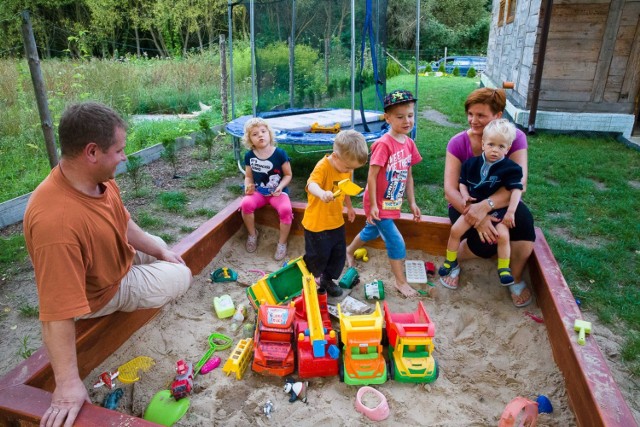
377	128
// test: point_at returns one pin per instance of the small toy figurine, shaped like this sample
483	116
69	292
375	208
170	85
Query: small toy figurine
296	390
112	399
106	378
267	409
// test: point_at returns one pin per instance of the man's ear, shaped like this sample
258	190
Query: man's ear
90	151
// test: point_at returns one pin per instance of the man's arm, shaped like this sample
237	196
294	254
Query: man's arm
59	338
142	242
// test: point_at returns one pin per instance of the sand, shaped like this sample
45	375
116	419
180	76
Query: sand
488	351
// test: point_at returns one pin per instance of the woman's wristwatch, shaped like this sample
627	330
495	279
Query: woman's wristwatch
491	204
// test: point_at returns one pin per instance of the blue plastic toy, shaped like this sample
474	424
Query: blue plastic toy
112	399
544	405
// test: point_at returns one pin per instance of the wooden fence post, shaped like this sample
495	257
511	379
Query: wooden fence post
224	79
39	88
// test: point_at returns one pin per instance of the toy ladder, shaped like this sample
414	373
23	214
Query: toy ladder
239	359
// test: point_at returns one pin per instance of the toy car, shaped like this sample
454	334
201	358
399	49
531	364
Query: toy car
410	337
183	383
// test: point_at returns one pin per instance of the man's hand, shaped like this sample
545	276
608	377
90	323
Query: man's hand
170	256
66	402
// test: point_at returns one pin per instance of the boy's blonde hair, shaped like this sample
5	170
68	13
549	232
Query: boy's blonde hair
351	146
502	128
249	125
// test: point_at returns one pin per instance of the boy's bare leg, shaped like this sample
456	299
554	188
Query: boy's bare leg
504	249
401	284
357	243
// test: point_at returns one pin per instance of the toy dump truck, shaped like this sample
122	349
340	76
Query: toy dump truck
363	361
410	337
278	287
274	339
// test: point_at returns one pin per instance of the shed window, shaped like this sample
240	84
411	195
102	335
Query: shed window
501	12
511	11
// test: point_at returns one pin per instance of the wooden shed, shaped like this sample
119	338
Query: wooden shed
590	60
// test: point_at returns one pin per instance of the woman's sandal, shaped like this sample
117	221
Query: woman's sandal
516	291
454	272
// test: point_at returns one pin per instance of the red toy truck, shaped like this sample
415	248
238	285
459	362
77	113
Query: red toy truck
411	347
274	338
317	341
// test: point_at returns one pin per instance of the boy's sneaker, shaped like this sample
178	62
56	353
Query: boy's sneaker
252	242
332	289
281	251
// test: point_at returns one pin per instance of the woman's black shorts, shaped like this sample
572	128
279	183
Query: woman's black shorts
523	230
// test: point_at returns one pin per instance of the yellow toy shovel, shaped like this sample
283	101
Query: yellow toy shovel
347	187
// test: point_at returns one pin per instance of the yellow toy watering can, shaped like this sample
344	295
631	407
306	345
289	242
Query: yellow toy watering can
347	187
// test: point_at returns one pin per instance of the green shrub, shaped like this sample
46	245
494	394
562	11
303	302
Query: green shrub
456	72
428	69
173	201
471	73
441	68
393	69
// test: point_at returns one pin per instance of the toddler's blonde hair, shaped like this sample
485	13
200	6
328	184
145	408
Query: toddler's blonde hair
252	123
501	127
351	145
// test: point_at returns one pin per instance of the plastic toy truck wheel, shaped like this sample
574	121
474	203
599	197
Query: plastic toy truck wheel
341	370
437	369
391	369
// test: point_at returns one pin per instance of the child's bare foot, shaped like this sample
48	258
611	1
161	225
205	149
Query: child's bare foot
351	260
406	290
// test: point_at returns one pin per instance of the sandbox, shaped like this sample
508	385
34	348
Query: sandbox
593	396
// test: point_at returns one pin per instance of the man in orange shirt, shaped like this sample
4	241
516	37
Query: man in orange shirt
90	258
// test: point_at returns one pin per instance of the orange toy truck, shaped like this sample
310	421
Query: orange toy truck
410	337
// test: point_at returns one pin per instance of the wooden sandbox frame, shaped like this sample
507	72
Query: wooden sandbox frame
25	392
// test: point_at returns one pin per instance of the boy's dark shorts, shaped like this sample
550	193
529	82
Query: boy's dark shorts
523	231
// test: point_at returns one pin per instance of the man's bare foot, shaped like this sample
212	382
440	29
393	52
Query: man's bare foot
351	260
406	290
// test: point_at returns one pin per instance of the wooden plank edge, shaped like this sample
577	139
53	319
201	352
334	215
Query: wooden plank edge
594	396
27	404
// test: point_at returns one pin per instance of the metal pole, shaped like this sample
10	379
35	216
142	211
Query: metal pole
415	106
39	88
353	63
254	87
224	95
292	54
232	84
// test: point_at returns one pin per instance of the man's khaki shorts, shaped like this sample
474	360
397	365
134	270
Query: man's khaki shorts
149	284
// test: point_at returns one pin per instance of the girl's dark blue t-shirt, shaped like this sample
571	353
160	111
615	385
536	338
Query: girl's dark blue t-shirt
267	173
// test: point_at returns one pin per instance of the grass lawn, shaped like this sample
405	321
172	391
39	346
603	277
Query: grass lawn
583	190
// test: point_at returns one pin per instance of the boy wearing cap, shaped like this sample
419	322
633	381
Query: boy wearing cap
389	182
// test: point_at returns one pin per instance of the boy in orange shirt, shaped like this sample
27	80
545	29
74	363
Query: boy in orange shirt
323	222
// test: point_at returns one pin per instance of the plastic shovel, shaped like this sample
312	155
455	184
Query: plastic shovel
347	187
